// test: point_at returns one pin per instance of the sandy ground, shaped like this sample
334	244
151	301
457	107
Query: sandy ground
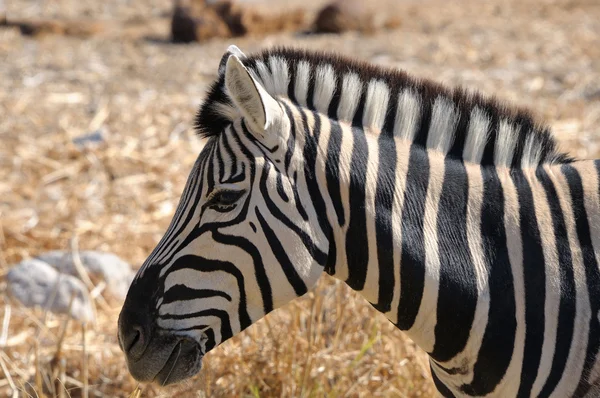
142	92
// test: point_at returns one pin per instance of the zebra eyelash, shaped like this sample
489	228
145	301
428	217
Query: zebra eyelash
224	200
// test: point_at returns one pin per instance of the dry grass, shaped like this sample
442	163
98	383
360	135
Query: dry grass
119	196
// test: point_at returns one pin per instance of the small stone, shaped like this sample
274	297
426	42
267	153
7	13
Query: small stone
91	139
36	283
100	266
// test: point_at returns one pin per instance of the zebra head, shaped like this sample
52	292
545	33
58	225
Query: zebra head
245	239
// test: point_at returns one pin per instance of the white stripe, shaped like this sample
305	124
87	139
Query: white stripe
444	118
532	152
371	292
376	104
477	136
344	178
324	87
351	91
402	157
408	115
505	144
281	77
263	76
301	84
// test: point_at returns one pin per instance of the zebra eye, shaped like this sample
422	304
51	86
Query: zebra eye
224	200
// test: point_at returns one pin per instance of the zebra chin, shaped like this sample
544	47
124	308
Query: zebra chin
168	359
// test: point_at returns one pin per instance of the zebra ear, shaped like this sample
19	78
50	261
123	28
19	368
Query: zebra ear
249	96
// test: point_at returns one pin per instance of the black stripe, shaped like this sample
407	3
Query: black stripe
592	275
357	247
181	292
332	170
498	341
490	147
357	119
384	200
280	189
424	120
310	164
297	200
441	387
281	256
412	264
195	327
335	99
310	93
291	92
220	162
210	339
457	297
524	127
534	279
291	141
210	172
224	140
462	127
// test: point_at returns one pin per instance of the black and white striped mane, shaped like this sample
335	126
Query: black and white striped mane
507	128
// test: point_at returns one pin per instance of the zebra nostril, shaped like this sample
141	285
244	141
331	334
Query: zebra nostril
137	336
134	333
133	341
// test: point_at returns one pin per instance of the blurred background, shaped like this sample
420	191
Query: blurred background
97	100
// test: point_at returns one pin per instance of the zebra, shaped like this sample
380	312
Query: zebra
455	215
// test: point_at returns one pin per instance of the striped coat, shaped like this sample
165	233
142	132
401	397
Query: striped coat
453	214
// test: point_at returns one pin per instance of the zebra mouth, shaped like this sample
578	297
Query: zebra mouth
184	362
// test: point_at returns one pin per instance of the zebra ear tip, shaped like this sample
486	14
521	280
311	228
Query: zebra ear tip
231	50
234	50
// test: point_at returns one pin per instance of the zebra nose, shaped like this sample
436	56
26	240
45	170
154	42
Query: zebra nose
134	333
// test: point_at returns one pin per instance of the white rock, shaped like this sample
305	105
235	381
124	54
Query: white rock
36	283
101	266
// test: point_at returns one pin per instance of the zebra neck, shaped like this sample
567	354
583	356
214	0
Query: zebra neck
388	237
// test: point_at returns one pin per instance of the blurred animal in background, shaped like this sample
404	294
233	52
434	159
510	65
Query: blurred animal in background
199	20
454	215
355	15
